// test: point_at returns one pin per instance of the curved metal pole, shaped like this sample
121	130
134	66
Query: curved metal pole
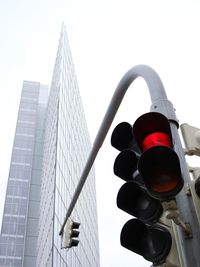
158	95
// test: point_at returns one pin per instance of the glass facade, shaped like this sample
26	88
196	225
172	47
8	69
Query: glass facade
66	149
51	146
20	217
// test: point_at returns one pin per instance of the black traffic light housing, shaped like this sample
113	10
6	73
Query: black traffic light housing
71	234
159	164
125	165
75	233
151	169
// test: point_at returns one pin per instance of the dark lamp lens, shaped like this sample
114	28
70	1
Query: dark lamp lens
156	139
160	169
161	182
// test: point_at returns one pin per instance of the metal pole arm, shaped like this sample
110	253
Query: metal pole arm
158	95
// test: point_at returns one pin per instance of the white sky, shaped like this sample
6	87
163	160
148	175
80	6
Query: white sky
107	38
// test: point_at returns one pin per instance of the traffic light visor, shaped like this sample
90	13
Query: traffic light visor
134	200
126	164
151	241
122	136
75	225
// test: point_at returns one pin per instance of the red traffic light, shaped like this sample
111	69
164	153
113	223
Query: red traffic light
152	129
159	164
156	139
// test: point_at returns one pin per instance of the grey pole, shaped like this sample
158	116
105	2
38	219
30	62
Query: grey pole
160	103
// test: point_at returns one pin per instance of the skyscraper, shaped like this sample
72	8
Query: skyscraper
57	159
66	150
18	237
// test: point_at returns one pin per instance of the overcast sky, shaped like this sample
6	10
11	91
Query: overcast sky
107	38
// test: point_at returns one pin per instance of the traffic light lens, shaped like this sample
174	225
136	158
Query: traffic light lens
161	182
152	129
156	139
142	204
160	169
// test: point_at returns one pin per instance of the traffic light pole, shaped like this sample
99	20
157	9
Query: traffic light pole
160	103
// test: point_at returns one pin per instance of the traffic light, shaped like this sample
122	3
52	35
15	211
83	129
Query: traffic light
159	164
151	171
71	234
